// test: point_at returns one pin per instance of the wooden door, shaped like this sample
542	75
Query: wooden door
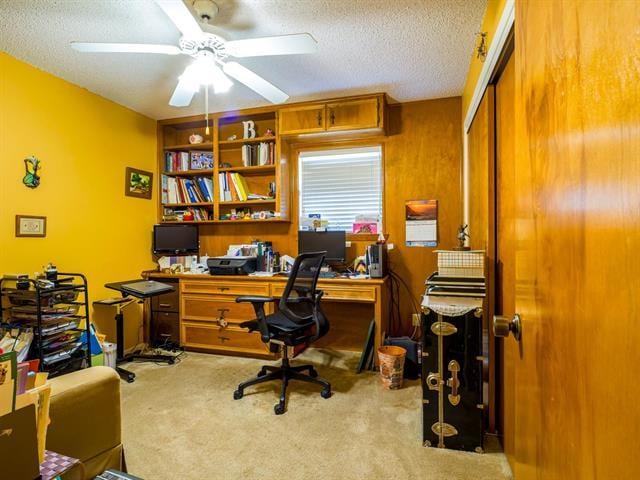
353	114
506	349
481	224
577	203
303	119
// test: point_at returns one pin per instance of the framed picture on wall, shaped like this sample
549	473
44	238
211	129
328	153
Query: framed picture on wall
138	183
31	226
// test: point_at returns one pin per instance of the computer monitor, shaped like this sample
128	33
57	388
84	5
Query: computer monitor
174	239
331	242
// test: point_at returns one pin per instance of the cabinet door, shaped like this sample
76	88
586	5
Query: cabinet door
353	114
305	119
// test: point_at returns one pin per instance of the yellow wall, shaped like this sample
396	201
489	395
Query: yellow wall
84	142
489	25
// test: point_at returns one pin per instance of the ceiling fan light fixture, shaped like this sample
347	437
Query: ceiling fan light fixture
204	71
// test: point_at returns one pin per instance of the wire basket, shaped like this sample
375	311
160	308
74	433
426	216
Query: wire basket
469	263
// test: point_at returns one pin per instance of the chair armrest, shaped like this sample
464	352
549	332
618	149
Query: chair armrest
254	299
85	418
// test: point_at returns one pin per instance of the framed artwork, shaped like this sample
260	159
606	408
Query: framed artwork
138	183
31	226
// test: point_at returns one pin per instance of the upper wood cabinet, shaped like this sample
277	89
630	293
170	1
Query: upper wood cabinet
303	119
333	116
353	114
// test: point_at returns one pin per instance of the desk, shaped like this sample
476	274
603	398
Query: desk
209	317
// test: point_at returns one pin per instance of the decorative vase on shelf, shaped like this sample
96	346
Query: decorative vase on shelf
195	138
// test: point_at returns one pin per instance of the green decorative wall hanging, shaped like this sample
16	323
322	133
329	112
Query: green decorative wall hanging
31	166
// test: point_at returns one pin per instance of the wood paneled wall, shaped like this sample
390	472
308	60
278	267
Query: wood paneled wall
422	157
422	161
578	228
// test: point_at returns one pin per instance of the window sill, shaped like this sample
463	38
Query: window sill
362	237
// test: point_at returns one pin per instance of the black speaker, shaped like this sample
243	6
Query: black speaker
412	360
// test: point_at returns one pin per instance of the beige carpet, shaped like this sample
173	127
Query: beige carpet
181	422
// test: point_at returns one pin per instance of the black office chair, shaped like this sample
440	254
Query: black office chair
299	320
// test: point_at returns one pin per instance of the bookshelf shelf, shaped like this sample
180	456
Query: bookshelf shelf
189	204
190	146
249	202
262	169
197	222
229	144
264	220
190	173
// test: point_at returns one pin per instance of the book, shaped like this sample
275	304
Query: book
8	382
233	187
201	160
243	186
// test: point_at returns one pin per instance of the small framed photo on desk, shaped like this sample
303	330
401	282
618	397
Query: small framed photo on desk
31	226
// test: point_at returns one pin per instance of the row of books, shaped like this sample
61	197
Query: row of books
186	214
186	190
181	161
233	187
258	154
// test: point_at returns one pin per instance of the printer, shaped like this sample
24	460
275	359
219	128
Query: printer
232	265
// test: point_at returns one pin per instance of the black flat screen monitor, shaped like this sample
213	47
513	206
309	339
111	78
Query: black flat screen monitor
175	239
331	242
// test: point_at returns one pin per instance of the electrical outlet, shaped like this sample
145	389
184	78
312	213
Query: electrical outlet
390	246
347	244
415	319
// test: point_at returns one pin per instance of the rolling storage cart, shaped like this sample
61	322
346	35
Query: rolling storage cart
452	356
54	311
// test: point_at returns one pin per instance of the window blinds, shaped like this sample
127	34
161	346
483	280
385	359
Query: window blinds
340	184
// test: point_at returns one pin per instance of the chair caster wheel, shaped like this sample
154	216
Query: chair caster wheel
237	395
262	373
325	393
278	409
131	379
313	373
171	362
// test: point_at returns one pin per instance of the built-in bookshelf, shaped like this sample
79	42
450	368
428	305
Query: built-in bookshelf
226	178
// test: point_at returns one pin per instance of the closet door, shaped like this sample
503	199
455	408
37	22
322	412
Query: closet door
481	224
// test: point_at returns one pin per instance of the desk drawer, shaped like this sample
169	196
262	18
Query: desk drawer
223	287
214	307
230	339
357	293
167	302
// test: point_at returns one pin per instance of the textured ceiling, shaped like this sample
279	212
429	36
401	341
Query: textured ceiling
411	49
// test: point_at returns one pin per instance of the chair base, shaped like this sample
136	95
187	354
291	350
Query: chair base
285	373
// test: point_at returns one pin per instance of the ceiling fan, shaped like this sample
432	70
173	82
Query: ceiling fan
211	66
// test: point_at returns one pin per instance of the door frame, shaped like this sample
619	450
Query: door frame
499	53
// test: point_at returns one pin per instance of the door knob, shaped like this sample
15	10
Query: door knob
502	326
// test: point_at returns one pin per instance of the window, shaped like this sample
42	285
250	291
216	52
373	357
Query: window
341	185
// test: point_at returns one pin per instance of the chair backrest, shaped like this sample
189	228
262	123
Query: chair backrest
298	298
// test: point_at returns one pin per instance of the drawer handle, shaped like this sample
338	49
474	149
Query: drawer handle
333	117
222	289
454	383
165	305
221	320
319	119
223	339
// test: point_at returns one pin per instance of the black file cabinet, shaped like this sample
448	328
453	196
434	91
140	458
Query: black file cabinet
452	401
165	317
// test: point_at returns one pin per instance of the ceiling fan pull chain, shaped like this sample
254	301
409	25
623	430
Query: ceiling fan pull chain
206	108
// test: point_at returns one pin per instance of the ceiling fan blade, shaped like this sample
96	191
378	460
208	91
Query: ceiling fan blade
184	92
181	16
279	45
89	47
255	82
